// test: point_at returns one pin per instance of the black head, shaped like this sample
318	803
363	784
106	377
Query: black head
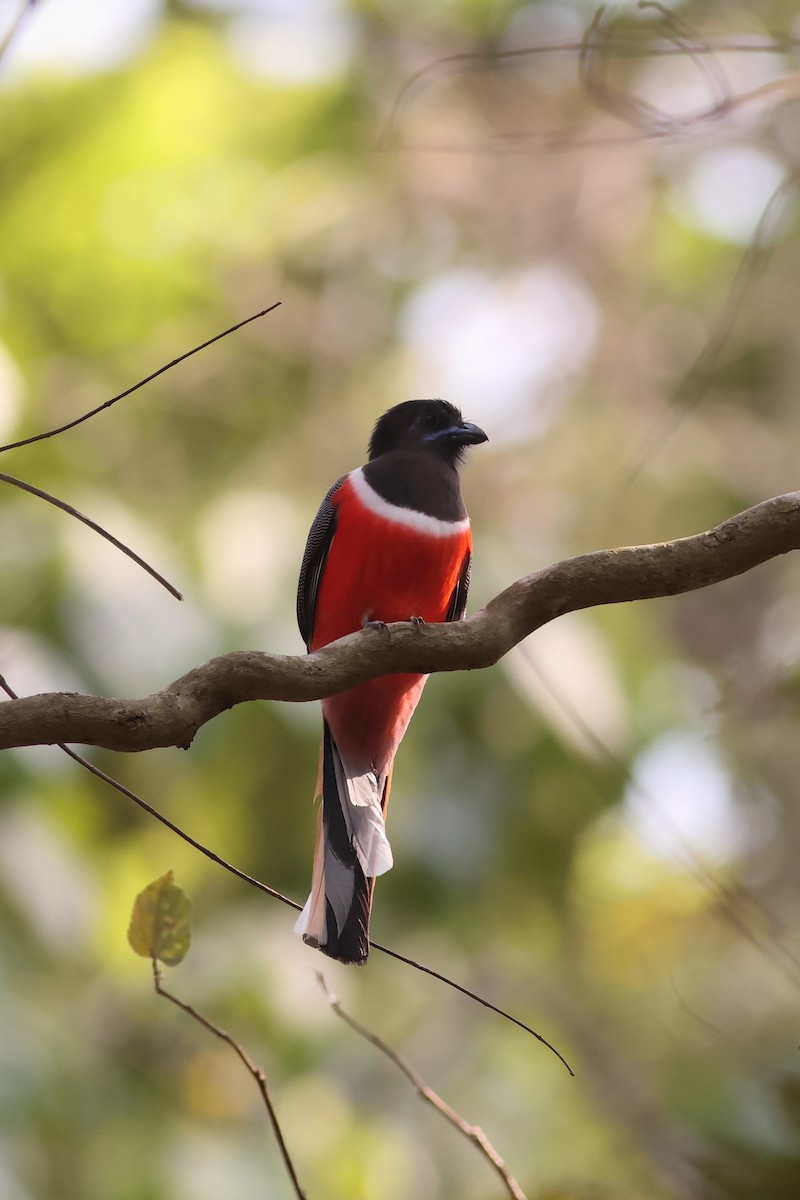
432	425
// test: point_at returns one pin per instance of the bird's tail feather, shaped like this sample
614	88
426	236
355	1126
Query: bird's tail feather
351	850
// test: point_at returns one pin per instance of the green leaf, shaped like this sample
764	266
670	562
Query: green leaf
160	926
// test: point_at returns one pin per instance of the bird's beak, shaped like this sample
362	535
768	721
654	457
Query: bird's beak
465	434
468	434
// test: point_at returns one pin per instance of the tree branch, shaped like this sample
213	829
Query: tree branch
473	1133
172	716
252	1067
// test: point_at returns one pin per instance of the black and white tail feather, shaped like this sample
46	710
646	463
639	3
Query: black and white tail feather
351	850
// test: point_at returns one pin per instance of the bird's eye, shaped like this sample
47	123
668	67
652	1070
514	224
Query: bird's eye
428	420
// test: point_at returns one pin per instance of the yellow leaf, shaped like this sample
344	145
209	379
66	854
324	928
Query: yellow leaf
160	925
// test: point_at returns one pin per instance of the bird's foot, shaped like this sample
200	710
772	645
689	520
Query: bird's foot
417	622
378	626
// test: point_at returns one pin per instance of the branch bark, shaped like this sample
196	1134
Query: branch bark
172	716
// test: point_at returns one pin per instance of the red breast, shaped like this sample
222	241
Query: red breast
385	564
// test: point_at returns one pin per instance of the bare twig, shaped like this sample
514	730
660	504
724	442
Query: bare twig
244	1057
646	119
73	512
172	716
693	385
472	1132
276	895
159	816
754	932
38	437
16	24
418	966
617	43
633	110
697	48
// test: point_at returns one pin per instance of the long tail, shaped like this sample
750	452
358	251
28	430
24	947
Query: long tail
351	850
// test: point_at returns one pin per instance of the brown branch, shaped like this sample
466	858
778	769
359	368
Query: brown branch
472	1132
252	1067
172	716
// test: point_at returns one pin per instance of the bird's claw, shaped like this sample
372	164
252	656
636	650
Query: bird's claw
381	626
378	626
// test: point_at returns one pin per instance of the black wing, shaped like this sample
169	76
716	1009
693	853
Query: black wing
319	543
458	600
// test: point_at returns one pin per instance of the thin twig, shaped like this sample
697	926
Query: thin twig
601	40
159	816
698	49
38	437
276	895
243	1057
693	385
619	45
73	512
784	959
648	120
638	113
16	24
68	508
472	1132
418	966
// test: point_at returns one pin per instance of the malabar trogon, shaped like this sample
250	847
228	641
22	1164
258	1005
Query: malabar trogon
391	542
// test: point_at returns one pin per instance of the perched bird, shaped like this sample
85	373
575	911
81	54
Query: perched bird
391	542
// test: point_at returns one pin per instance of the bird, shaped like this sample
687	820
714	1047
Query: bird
391	542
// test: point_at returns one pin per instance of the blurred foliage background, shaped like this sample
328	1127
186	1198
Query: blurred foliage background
596	256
